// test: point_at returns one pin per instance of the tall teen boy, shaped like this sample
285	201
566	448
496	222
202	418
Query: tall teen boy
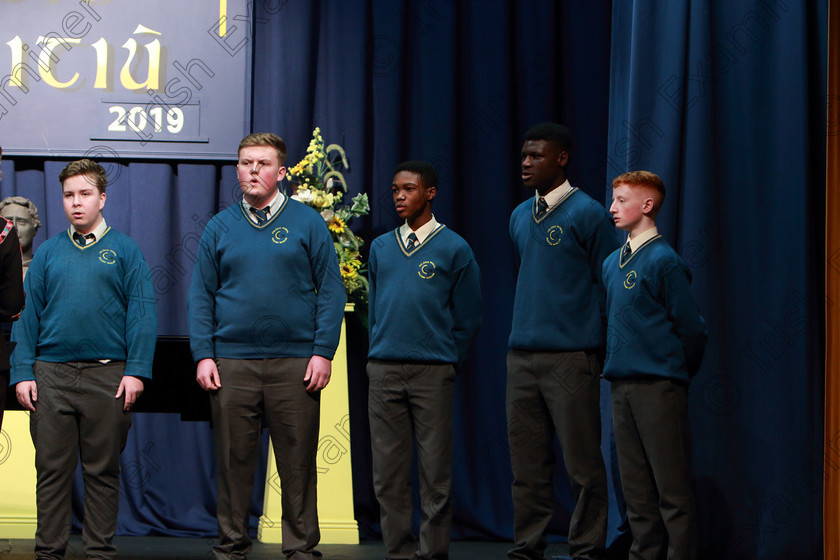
265	309
656	338
425	309
84	345
560	237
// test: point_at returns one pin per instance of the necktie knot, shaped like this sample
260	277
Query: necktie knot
626	251
82	239
412	241
542	207
260	215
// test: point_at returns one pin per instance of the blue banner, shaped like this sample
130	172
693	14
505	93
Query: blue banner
150	79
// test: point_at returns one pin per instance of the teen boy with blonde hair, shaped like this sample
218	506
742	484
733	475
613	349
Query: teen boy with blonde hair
655	342
265	310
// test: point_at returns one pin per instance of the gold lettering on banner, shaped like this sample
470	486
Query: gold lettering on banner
16	45
153	49
45	59
101	47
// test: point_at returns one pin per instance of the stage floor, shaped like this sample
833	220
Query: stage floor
170	548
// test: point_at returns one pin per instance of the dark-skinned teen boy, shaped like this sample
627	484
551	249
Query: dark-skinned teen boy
560	236
656	339
425	309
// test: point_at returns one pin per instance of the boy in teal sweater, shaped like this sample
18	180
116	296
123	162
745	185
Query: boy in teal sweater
265	309
655	342
425	309
84	345
560	237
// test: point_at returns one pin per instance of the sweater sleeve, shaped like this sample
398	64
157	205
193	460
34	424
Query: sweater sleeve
201	300
689	325
25	330
332	297
140	320
466	306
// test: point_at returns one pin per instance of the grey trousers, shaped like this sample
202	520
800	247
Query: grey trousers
406	402
548	393
77	416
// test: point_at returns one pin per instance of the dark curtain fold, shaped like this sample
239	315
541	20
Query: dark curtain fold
831	487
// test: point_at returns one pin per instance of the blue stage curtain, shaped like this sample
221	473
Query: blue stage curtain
725	101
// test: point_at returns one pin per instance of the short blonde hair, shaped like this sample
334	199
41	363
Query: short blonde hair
265	139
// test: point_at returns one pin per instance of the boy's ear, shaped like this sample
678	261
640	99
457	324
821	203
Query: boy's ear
647	206
563	158
430	193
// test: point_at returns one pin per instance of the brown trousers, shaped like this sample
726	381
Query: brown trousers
548	393
407	402
77	416
270	390
652	440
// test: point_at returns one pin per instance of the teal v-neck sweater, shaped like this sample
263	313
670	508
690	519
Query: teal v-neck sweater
654	326
270	291
425	304
87	303
559	300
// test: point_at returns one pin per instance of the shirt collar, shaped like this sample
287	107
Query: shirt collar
557	194
422	232
642	238
272	206
97	232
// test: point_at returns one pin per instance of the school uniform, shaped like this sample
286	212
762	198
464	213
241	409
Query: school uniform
554	367
266	296
655	342
90	319
425	310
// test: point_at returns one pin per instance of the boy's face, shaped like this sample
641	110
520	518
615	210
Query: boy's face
543	165
259	171
411	197
83	202
629	206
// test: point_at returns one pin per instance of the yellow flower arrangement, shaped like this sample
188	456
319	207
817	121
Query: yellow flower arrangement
318	182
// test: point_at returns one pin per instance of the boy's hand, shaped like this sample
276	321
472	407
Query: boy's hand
27	394
317	373
207	375
132	387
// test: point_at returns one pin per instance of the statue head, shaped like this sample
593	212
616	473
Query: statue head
24	214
